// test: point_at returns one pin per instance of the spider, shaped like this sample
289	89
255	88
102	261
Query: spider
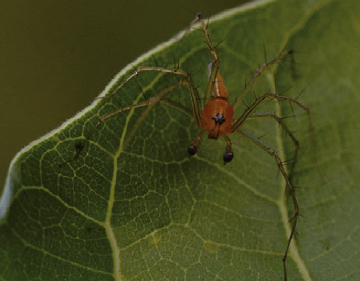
216	116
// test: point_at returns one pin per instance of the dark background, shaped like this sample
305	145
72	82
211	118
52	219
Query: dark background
57	56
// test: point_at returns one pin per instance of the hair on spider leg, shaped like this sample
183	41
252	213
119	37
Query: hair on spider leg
254	93
300	93
176	64
155	61
204	28
219	43
245	85
197	87
245	104
292	219
285	163
289	161
192	12
141	89
292	108
262	136
198	17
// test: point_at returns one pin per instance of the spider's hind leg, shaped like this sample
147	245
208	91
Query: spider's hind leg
289	133
288	185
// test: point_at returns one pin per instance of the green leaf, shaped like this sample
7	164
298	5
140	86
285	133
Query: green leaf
133	206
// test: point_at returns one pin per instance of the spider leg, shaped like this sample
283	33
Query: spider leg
311	127
252	107
257	73
247	115
195	100
289	187
214	68
229	154
175	71
194	95
282	124
192	150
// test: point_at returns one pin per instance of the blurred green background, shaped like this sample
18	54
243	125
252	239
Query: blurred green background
57	56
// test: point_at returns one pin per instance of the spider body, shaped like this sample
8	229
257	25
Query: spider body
217	115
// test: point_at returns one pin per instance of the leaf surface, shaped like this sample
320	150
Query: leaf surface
133	206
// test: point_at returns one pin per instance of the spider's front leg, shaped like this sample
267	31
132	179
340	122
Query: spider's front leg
186	81
258	73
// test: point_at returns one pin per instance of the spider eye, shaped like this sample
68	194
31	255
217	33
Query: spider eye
218	118
228	156
192	150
